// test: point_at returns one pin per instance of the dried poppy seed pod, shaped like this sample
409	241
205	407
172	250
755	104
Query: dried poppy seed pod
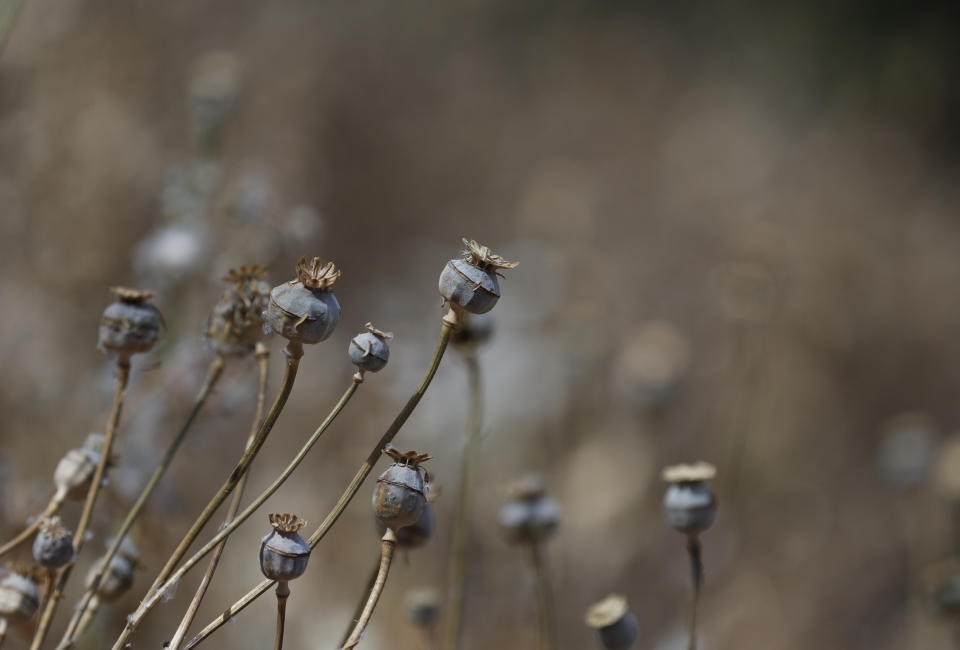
236	324
129	325
423	606
419	532
75	470
615	625
116	580
370	350
474	331
690	504
283	553
305	310
530	515
470	283
53	545
399	498
19	598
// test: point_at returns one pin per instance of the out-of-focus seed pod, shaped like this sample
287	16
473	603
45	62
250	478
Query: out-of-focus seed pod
530	515
615	625
689	502
651	363
370	350
305	310
118	578
212	95
941	584
283	552
236	324
470	283
53	545
19	598
474	331
423	606
399	498
75	470
129	325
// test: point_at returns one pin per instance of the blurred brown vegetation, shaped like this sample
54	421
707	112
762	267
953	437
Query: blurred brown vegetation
737	227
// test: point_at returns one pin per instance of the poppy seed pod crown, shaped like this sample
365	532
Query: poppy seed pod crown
129	325
305	310
470	282
399	498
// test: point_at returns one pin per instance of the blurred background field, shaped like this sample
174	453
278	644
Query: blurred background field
738	231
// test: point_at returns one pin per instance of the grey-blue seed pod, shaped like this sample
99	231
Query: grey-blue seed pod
419	532
399	498
615	625
53	545
116	580
236	324
530	515
305	310
689	502
470	283
129	325
370	350
283	552
423	606
19	598
474	331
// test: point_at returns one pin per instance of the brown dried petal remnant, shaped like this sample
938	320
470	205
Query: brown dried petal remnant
485	258
131	296
380	334
244	273
286	522
410	458
53	528
697	472
316	274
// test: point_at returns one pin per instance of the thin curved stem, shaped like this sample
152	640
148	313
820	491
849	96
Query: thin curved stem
358	609
79	535
294	352
458	559
213	375
283	592
449	324
696	571
389	543
9	13
544	597
263	358
52	508
91	613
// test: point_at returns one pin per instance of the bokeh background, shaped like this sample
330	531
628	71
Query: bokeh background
738	235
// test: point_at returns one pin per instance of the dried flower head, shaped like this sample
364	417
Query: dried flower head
410	458
370	350
19	597
529	515
236	324
399	497
485	258
53	545
131	296
316	274
615	625
286	522
689	502
689	473
129	325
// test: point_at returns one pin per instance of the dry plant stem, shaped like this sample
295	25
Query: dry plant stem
52	508
449	324
386	556
696	571
283	591
544	590
458	558
50	608
73	628
263	359
358	610
294	351
9	12
91	613
3	630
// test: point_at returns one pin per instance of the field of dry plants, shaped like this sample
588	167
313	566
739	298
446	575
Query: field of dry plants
483	324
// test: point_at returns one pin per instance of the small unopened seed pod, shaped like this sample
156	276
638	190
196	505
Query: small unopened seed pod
117	579
53	545
470	283
19	598
75	470
305	310
474	331
399	498
283	553
689	502
423	606
129	325
370	350
419	532
615	625
236	324
530	515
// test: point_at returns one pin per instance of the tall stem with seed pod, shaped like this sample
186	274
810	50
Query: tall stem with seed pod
79	535
545	611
